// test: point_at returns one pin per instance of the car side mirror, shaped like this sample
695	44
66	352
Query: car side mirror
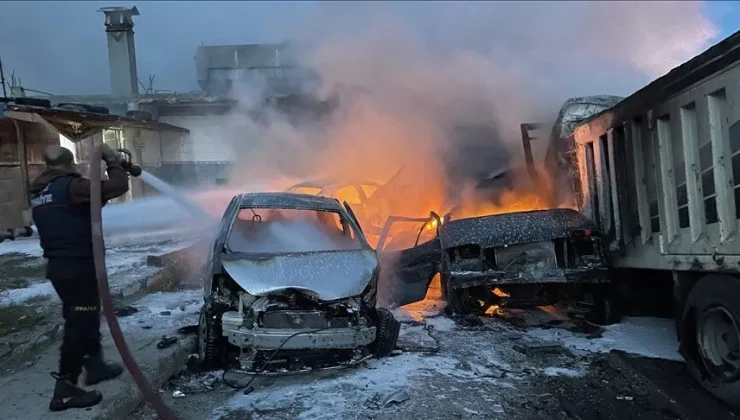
435	216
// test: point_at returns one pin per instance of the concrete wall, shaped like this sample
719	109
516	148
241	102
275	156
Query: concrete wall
209	140
12	197
197	159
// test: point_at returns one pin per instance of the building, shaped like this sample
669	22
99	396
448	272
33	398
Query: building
27	127
203	156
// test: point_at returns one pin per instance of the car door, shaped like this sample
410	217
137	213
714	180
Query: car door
213	263
352	215
407	270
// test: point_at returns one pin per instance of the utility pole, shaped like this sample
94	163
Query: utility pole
2	77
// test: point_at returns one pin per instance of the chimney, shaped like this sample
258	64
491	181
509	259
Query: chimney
119	27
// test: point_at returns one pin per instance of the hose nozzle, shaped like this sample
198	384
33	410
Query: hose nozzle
134	170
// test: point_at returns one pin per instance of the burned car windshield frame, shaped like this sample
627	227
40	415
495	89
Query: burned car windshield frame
343	216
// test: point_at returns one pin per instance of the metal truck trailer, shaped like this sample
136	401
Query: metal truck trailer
660	175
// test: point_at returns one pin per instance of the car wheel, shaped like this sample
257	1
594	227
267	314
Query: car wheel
711	324
210	341
459	301
387	329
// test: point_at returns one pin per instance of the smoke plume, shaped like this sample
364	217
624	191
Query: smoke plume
438	90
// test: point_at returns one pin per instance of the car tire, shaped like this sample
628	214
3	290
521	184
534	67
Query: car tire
210	342
387	329
714	294
454	304
457	300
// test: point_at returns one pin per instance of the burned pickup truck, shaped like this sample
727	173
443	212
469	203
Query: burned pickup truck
291	287
516	259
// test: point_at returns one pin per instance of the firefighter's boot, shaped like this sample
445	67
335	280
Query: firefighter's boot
97	370
68	395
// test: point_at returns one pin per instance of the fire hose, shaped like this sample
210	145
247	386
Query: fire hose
151	398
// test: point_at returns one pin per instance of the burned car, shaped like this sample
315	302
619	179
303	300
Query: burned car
519	259
354	192
291	287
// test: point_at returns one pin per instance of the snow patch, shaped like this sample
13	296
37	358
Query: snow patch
165	311
124	271
347	391
558	371
441	323
18	296
22	246
125	261
644	336
350	389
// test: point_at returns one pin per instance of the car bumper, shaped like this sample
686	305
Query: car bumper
273	338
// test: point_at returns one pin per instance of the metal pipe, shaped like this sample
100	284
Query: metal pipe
2	78
96	218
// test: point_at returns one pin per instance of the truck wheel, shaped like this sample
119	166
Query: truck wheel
210	341
712	323
386	333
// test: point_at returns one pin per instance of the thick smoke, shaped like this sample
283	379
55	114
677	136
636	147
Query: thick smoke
439	89
432	94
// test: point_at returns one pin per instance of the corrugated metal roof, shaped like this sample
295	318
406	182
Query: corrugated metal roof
163	98
77	125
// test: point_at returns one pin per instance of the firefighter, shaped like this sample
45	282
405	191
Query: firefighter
60	206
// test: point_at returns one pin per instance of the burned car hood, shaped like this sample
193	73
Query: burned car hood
330	275
513	228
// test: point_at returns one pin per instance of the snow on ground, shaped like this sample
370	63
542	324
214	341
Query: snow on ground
125	260
644	336
165	311
353	388
558	371
21	246
18	296
441	323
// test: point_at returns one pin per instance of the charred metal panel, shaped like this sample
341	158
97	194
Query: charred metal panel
466	279
701	98
668	186
337	338
723	177
295	319
532	257
603	185
514	228
695	195
614	184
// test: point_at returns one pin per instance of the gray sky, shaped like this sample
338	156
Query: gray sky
60	47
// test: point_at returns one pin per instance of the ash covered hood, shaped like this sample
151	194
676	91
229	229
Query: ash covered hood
330	275
513	228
